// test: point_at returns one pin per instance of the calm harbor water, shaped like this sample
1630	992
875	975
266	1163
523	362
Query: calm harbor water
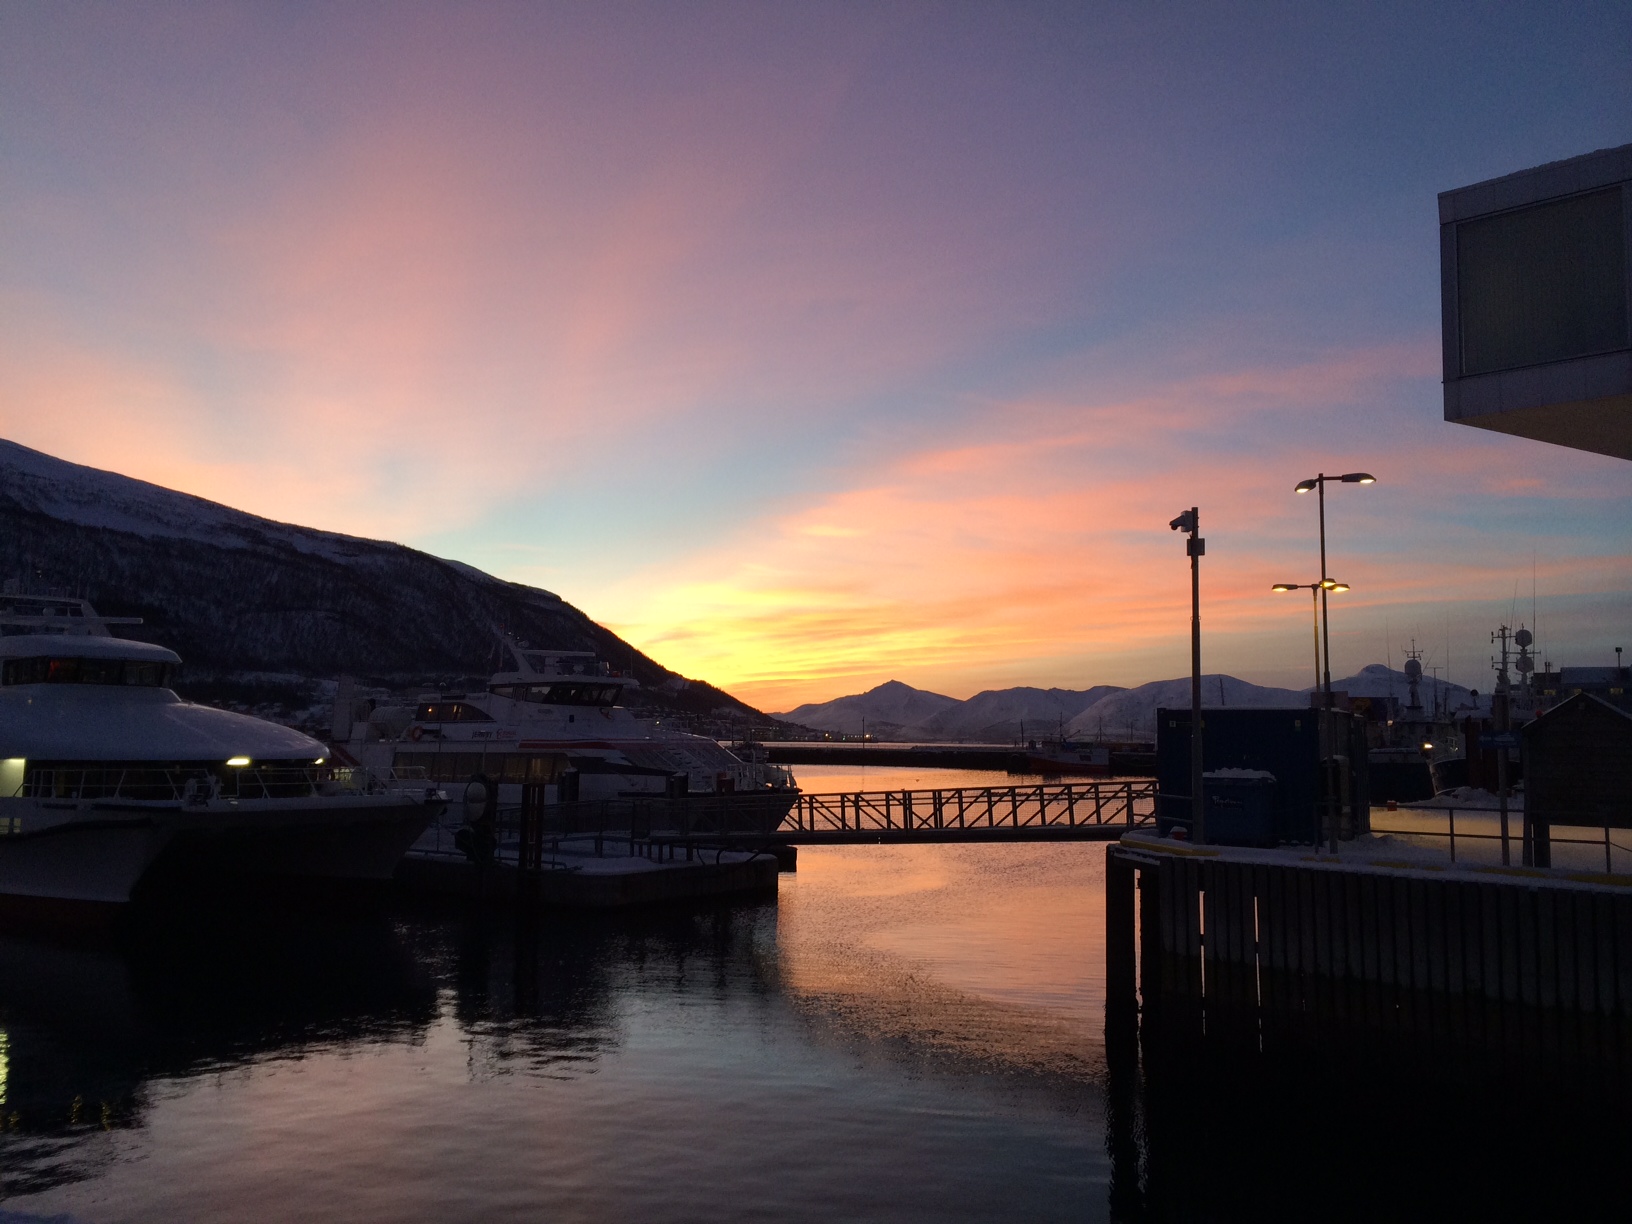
905	1033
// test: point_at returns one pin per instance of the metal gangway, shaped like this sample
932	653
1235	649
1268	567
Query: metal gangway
659	827
1097	810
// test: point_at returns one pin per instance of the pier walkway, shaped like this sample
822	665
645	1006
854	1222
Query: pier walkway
1096	810
1090	810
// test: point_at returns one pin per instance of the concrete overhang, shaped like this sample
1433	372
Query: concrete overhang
1536	296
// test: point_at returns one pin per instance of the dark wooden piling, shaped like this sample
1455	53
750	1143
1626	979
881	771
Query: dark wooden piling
1531	966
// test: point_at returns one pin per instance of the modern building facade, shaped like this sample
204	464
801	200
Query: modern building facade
1536	301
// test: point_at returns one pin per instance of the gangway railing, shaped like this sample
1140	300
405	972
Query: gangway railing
1041	808
1084	810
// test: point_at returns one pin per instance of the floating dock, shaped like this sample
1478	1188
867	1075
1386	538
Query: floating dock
611	875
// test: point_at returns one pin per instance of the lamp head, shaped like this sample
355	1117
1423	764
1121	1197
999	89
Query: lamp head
1336	588
1282	587
1306	486
1358	478
1185	521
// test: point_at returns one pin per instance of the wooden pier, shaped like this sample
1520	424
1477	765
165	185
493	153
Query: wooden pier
1527	958
1292	1035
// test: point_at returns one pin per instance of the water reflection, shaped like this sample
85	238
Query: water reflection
834	1056
90	1023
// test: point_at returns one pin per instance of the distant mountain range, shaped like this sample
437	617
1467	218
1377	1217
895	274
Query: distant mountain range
263	613
897	711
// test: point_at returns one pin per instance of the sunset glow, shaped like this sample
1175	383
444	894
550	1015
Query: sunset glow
809	347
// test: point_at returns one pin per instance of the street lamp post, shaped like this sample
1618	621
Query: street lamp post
1318	486
1317	592
1196	548
1314	589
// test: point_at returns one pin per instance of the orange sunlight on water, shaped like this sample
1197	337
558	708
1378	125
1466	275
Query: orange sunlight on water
992	952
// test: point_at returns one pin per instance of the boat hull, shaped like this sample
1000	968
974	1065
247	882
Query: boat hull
104	854
98	860
358	838
1036	763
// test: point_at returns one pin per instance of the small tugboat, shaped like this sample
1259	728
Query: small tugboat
108	777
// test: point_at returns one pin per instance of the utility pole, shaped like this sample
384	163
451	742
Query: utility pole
1196	548
1499	711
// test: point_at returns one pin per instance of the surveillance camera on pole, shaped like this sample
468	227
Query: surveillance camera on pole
1196	548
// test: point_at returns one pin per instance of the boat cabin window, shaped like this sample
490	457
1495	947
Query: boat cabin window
500	766
450	711
168	782
141	673
561	694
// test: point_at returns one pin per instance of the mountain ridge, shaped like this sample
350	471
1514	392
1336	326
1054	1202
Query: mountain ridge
238	595
1108	711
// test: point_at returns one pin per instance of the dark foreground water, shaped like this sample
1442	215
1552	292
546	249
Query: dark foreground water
907	1033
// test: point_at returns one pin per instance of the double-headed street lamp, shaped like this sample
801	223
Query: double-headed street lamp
1314	589
1317	599
1318	486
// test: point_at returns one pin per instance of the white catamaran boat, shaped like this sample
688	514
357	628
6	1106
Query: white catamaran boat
107	776
555	718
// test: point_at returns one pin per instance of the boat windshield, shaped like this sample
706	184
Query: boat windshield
143	673
561	694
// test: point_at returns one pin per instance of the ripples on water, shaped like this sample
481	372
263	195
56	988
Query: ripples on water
909	1033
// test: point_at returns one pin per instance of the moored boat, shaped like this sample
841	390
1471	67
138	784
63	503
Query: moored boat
108	778
555	717
1067	757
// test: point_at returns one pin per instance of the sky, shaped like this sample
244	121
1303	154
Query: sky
811	346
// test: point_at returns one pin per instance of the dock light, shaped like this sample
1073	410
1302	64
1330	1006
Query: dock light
1319	482
1323	625
237	762
1427	747
320	760
1316	590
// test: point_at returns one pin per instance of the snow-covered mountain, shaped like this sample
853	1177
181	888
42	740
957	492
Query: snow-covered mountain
1379	680
898	711
241	597
1131	714
90	497
891	711
998	716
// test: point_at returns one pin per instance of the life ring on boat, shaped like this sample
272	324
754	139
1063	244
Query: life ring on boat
416	733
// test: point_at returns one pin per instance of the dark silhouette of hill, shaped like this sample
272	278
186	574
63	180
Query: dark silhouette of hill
258	609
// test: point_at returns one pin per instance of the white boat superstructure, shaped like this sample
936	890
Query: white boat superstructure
106	775
555	717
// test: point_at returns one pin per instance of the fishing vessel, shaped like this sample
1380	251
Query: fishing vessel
109	779
555	718
1067	757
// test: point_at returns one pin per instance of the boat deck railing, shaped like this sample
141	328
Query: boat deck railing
169	784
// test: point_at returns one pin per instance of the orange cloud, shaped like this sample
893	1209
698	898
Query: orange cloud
1044	558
